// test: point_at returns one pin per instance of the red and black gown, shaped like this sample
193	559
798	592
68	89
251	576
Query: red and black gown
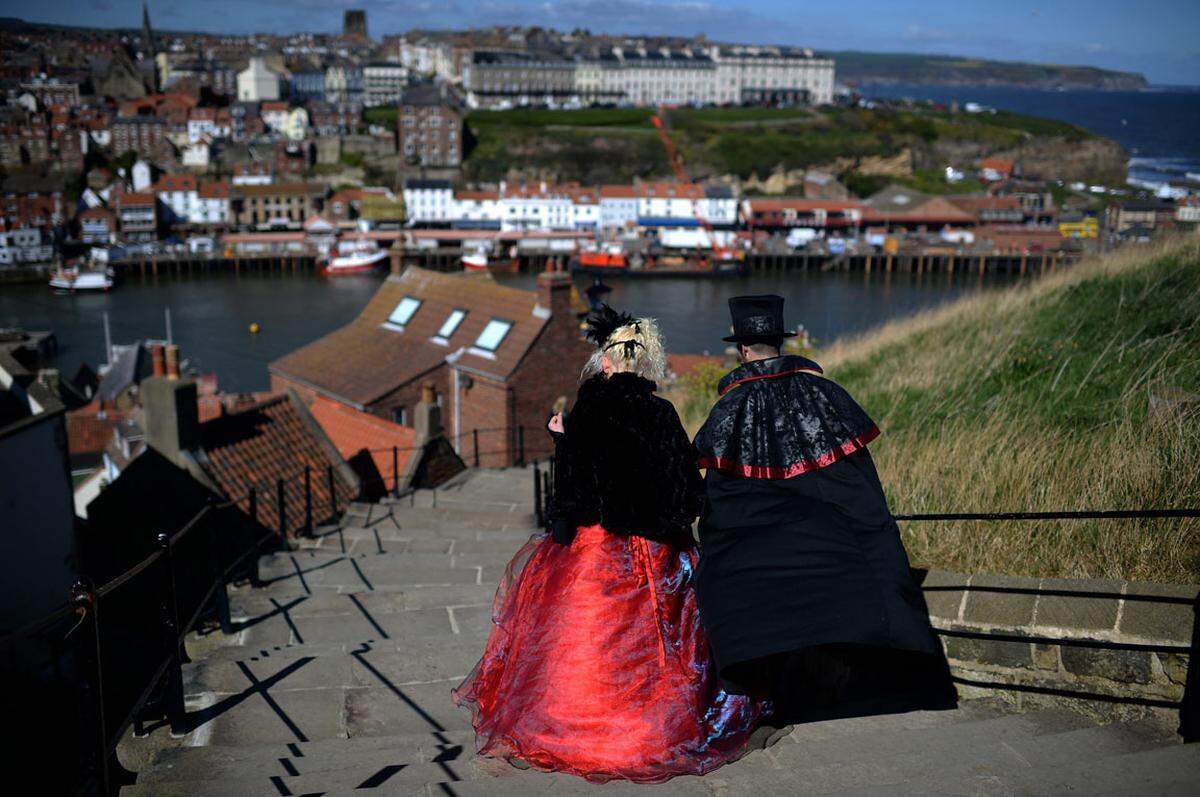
597	664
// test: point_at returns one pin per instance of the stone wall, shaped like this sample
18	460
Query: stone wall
1112	649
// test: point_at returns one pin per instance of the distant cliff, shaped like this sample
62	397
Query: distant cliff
855	68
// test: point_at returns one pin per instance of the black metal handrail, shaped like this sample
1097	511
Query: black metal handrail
162	672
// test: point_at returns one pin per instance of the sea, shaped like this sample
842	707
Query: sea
1157	126
211	315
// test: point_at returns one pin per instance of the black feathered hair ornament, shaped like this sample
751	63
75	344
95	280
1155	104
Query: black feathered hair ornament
603	322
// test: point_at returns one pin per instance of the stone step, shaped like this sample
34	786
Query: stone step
264	713
249	605
216	762
356	622
444	532
303	572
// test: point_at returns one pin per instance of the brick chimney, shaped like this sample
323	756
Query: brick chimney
172	361
170	413
427	417
554	290
158	357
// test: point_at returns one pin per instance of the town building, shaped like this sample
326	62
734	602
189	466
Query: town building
618	206
275	204
137	216
499	79
97	226
24	245
499	356
383	83
141	134
429	201
257	82
344	84
429	127
38	541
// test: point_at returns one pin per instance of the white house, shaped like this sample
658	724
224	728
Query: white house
141	175
585	208
257	82
274	115
618	206
477	209
23	245
535	208
660	204
197	155
179	193
428	201
295	127
202	123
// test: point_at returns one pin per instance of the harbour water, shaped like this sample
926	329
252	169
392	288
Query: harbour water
1157	126
211	316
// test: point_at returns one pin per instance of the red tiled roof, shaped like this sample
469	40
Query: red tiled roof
274	439
354	432
214	191
670	191
477	195
273	106
761	205
217	404
175	182
87	432
363	361
130	198
999	164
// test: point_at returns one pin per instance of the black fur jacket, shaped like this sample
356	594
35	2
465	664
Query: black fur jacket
625	462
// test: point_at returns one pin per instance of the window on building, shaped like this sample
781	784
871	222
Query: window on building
404	311
451	323
400	416
493	334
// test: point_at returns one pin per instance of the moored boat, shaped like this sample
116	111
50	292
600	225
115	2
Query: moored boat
355	256
72	279
476	260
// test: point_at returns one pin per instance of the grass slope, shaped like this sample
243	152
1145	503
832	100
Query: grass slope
599	145
1038	399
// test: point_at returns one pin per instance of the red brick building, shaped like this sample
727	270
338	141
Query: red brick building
499	357
429	127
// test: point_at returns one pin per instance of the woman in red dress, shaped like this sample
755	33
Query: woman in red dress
597	664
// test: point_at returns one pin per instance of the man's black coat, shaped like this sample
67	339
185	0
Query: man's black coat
798	548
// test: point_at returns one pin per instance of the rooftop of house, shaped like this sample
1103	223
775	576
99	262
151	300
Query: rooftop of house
357	434
414	323
274	439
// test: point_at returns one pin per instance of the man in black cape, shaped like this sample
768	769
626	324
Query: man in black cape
800	555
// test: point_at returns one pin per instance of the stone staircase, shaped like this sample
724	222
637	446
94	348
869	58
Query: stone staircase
337	683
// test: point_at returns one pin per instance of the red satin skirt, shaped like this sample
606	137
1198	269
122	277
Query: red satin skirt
597	665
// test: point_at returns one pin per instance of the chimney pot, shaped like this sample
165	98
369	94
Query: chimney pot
172	361
157	356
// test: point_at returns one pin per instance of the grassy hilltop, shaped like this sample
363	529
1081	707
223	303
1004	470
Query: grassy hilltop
1038	398
860	67
602	145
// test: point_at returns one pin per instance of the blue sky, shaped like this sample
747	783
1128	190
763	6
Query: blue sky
1155	37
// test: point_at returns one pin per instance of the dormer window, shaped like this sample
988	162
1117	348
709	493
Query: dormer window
403	313
451	323
493	335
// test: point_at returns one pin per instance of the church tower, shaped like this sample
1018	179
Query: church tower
149	50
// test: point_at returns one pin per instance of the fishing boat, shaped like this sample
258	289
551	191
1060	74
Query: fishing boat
475	260
72	279
355	256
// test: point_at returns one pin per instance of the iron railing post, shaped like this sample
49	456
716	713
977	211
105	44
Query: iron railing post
94	752
395	472
220	594
308	516
333	510
538	515
173	690
282	510
475	445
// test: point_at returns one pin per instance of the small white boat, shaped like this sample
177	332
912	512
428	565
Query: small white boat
72	279
475	261
355	257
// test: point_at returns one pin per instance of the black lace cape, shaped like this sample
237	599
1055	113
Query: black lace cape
778	418
626	463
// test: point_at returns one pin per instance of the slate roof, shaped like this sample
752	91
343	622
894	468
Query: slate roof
364	360
271	440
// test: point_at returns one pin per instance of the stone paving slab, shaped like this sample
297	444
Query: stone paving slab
251	604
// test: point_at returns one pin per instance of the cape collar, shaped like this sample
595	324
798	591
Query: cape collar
774	367
619	384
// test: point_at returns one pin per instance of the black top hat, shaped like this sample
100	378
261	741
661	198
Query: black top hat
757	318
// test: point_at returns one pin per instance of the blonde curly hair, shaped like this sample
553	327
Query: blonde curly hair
636	348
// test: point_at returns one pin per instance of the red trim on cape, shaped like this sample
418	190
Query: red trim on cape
804	466
734	384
